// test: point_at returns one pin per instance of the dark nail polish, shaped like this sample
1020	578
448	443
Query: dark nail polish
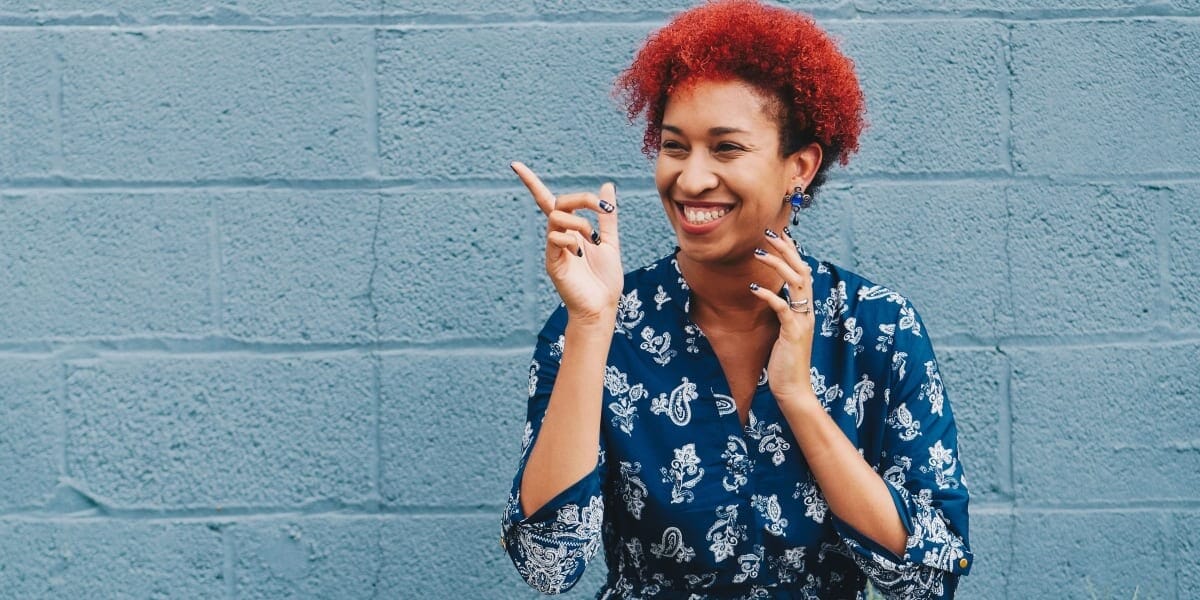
754	287
772	234
596	237
760	252
579	252
606	207
787	232
513	166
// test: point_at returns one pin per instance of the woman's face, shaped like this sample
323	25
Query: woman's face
719	171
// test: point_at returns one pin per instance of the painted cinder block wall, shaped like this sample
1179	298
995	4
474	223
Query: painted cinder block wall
268	290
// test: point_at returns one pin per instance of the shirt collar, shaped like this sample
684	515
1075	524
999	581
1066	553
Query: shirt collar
668	287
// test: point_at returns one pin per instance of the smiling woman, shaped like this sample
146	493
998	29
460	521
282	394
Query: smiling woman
738	419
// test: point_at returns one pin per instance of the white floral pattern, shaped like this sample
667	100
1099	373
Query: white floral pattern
684	473
633	490
677	406
738	464
768	506
672	546
659	346
770	438
725	533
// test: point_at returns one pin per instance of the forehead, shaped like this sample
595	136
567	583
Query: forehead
706	104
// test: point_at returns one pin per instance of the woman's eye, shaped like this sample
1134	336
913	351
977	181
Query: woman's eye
727	147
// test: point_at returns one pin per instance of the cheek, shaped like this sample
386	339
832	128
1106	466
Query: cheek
662	176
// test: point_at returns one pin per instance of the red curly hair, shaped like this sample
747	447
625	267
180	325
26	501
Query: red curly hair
781	52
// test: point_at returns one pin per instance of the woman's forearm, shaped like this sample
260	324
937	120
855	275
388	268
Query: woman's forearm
568	445
853	490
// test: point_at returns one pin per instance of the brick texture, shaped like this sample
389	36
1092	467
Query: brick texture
269	291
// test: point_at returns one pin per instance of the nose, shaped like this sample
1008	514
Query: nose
696	176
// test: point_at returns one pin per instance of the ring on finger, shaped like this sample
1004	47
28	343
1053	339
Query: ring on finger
800	306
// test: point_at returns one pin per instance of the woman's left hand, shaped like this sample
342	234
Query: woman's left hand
791	357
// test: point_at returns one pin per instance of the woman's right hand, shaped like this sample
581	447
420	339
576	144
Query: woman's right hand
588	275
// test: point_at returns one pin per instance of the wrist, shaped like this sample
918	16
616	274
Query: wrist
593	323
799	403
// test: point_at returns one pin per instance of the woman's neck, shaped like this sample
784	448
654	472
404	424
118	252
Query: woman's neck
721	294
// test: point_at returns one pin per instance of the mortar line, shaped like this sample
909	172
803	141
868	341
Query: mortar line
849	257
64	399
228	562
1006	99
87	351
6	129
378	575
579	19
371	80
1012	552
376	351
637	184
371	510
56	99
1006	429
1006	405
216	291
1172	553
1162	246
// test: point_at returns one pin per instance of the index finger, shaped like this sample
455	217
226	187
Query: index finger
541	193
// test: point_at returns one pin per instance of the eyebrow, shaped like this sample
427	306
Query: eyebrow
713	131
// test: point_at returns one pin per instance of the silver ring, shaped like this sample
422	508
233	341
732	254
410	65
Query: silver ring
800	306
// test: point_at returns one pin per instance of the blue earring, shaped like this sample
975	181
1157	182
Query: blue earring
799	200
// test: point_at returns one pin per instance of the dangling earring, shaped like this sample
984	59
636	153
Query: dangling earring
799	200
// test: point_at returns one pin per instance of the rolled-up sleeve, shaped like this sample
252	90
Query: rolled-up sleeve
551	547
921	466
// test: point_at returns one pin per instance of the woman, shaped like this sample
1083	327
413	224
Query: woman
739	419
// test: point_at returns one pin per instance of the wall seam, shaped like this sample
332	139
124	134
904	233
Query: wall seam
228	561
371	80
1163	247
65	185
56	100
216	291
1006	98
65	399
376	357
58	22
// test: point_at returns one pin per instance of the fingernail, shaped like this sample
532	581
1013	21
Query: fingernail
579	252
772	234
513	165
606	207
760	252
596	237
754	287
787	232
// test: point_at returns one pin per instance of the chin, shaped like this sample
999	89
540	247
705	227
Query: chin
713	253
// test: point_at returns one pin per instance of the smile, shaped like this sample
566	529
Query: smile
700	218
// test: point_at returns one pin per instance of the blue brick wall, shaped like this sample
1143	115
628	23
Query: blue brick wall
268	288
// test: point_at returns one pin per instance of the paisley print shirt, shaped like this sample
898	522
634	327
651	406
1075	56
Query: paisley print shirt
688	503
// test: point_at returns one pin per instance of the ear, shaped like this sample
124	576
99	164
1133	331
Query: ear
803	164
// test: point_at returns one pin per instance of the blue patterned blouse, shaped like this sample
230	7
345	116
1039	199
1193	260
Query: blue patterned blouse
689	504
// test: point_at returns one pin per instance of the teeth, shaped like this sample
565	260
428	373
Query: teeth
700	216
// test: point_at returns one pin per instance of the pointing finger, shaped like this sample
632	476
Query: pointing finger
541	193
